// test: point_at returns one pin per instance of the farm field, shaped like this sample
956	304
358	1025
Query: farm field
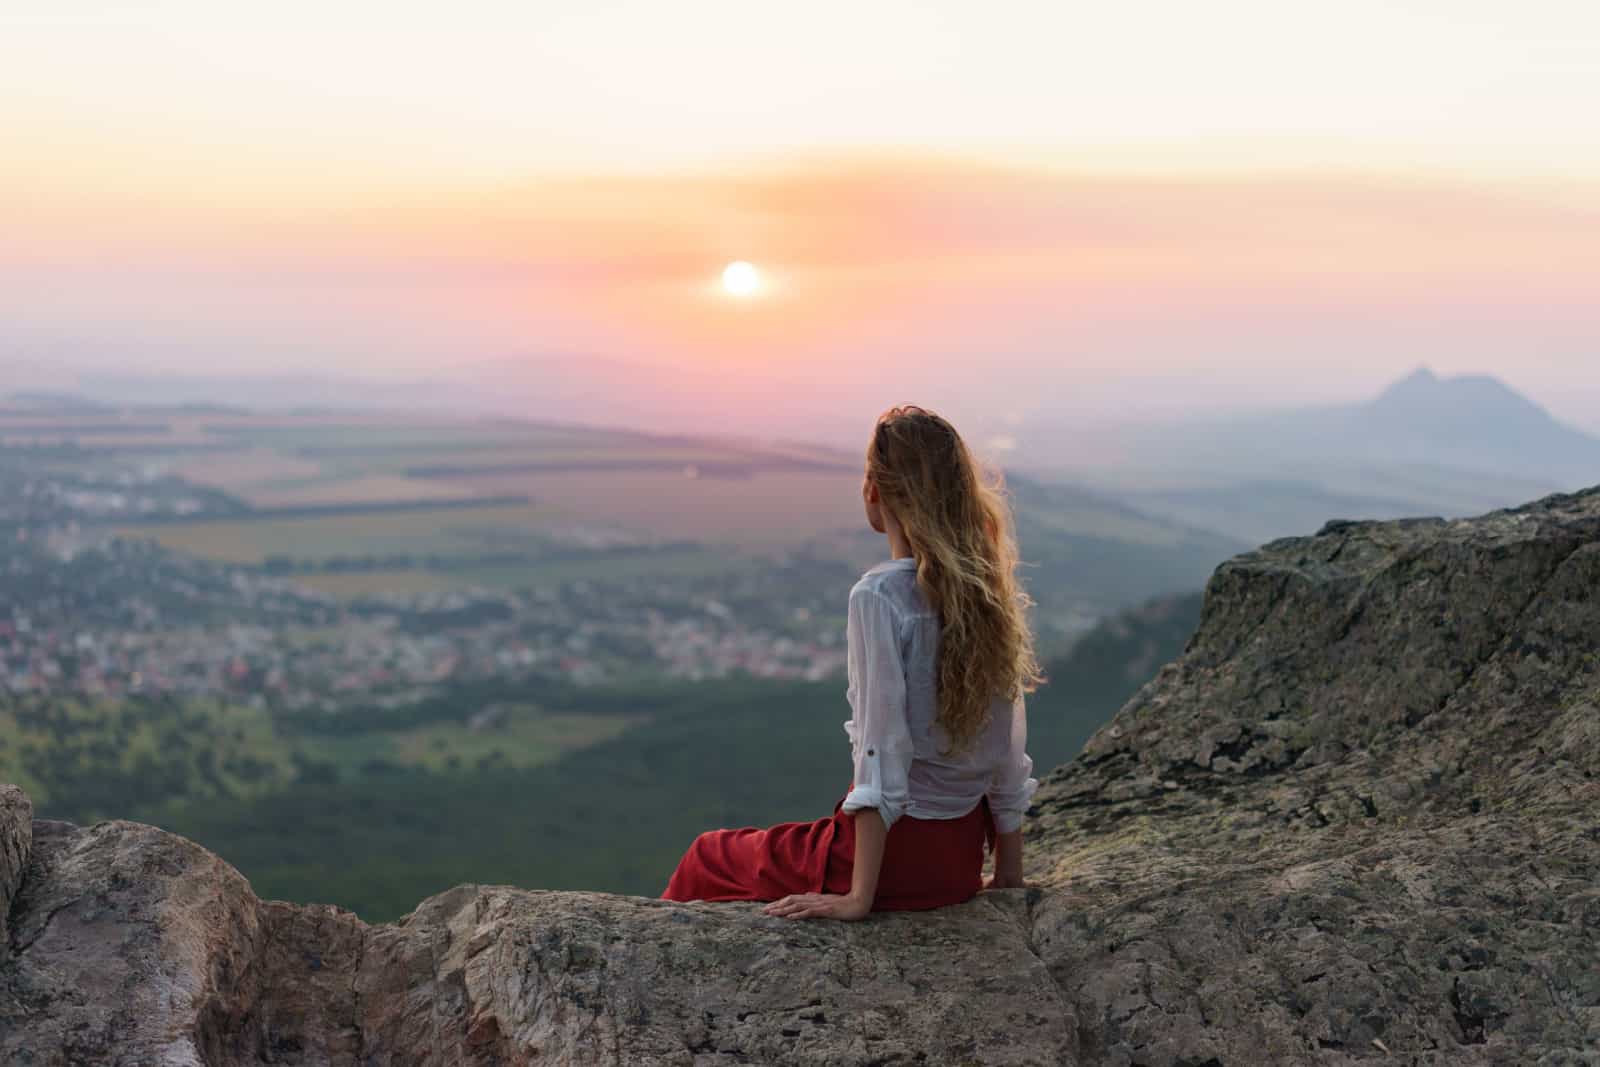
763	511
735	495
241	472
352	585
508	735
247	540
527	737
91	759
687	561
358	489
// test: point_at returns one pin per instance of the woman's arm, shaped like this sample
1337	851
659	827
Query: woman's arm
871	834
883	747
1007	861
883	754
1010	792
856	904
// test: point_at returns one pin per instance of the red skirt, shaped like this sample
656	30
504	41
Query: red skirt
927	863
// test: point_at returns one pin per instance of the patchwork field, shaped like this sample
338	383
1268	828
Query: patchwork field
79	755
252	540
353	585
241	472
352	489
688	561
413	503
764	510
738	495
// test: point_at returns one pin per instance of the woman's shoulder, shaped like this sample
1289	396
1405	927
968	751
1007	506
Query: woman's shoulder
870	588
895	589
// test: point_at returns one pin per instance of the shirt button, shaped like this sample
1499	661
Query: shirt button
870	752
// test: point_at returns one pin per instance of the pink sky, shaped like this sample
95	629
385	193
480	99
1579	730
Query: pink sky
192	195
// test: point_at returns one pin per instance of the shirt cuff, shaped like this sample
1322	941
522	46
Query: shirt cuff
870	796
1009	817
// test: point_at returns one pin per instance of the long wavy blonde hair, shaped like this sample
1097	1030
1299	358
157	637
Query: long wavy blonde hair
960	528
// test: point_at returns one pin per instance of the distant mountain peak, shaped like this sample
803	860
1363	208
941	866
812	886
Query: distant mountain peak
1421	382
1464	396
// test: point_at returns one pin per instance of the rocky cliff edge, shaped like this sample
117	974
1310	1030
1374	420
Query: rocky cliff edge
1358	820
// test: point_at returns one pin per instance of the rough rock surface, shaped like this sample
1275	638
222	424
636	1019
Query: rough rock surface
16	841
1358	820
1360	813
135	946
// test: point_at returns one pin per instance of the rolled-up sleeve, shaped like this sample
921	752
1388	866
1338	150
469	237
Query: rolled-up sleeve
1011	788
879	730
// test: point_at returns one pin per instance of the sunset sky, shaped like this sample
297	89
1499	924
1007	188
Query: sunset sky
1008	208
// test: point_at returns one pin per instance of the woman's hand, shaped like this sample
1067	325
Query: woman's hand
1007	862
1005	881
847	907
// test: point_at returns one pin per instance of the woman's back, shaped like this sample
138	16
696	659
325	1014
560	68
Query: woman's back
939	783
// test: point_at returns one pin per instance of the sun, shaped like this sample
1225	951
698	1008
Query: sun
740	278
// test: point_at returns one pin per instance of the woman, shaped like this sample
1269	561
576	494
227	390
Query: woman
940	657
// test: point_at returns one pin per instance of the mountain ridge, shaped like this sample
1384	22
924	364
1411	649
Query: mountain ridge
1462	421
1424	445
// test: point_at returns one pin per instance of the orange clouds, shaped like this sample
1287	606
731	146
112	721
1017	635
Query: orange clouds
907	258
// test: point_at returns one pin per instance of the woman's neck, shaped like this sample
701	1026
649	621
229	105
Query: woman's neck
899	547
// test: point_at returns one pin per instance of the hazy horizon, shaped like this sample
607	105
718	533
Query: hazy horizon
1127	403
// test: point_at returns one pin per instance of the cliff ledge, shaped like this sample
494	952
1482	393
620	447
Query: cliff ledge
1358	819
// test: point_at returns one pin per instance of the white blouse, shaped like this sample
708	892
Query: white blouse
893	639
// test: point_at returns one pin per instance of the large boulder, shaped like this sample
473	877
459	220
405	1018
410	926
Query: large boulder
1358	819
1360	815
135	946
